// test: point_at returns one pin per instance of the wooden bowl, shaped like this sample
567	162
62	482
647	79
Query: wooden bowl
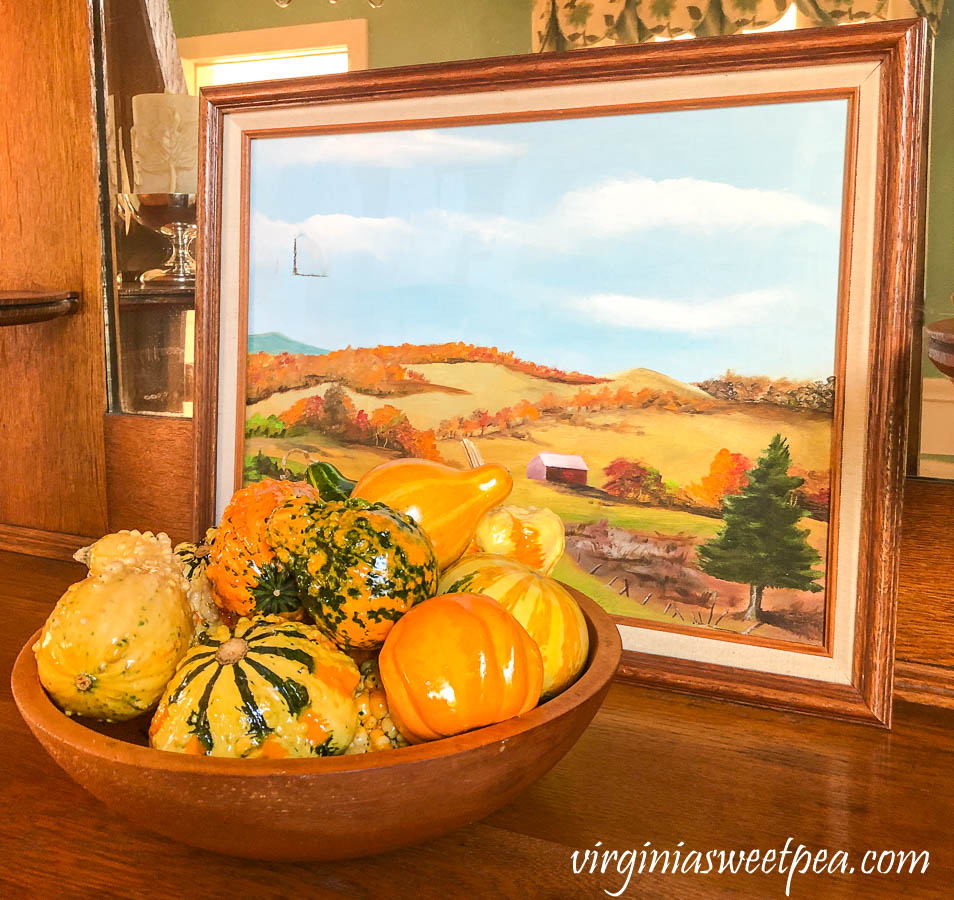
326	808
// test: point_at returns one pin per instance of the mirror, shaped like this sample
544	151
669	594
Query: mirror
150	125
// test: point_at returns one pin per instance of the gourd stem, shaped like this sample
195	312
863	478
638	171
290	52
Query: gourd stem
83	682
231	652
473	454
82	555
304	453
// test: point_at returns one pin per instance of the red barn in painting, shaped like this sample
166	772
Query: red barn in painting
557	467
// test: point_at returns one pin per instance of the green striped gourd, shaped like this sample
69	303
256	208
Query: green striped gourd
270	688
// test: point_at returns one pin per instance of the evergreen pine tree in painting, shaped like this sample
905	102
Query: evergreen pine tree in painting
759	544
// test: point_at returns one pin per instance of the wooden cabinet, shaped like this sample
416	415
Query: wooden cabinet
52	374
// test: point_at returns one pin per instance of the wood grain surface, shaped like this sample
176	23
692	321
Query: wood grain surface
148	464
924	667
52	464
29	307
653	766
920	683
926	591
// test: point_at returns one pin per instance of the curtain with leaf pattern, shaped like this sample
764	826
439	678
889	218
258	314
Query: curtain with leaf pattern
568	24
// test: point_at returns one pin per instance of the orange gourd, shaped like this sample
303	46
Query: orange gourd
446	502
541	604
246	577
457	662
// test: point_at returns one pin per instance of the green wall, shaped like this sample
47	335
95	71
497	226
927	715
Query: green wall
400	33
404	32
939	264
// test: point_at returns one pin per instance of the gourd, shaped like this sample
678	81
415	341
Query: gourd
532	536
194	559
113	639
376	729
446	502
457	662
359	566
143	550
328	481
270	688
246	577
541	604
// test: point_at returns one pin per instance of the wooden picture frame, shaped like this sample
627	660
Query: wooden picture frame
878	70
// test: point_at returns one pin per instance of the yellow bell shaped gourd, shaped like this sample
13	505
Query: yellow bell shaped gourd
532	536
541	604
446	502
114	639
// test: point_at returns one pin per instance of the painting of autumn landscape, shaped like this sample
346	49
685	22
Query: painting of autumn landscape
645	340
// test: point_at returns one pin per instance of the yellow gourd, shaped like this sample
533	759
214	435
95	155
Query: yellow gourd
446	502
114	639
532	536
142	550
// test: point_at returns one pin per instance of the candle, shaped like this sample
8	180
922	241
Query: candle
165	143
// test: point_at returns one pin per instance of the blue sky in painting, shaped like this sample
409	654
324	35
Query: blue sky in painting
688	242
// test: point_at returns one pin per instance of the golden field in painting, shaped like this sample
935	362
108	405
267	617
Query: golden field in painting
634	554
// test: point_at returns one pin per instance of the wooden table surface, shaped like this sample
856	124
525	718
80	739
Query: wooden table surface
653	767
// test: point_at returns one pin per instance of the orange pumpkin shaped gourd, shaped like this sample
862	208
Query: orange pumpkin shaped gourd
446	502
541	604
458	662
246	577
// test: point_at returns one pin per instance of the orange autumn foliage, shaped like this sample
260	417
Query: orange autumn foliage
382	370
814	493
728	474
335	413
587	399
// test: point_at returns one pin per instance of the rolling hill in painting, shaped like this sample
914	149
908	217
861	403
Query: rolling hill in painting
660	457
274	342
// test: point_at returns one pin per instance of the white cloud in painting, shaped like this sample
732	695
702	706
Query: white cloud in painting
624	206
391	149
678	315
487	229
579	220
335	234
621	208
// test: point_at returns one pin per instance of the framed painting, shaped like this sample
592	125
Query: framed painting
670	287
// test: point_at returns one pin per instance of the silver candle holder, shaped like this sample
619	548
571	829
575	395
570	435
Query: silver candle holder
172	215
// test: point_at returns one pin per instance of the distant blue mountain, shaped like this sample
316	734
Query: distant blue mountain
275	342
